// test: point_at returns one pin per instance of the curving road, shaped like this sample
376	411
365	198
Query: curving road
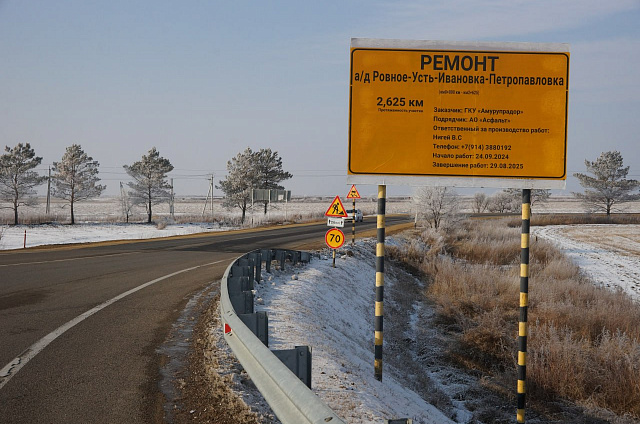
80	326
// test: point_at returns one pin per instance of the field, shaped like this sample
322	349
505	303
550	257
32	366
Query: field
200	209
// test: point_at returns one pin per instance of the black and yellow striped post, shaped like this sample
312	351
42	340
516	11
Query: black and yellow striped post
524	303
382	197
353	224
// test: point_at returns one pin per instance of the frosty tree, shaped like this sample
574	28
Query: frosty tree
269	172
75	177
538	195
251	170
435	204
241	177
149	183
17	178
608	185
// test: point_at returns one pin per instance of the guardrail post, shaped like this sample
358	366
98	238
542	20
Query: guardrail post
298	360
239	284
242	302
281	256
258	323
257	261
249	263
267	257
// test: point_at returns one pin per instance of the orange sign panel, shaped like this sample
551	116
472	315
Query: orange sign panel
458	113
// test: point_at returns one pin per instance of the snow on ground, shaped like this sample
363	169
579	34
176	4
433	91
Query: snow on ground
331	310
608	254
13	237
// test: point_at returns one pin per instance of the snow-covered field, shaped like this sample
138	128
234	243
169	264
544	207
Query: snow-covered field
608	254
17	237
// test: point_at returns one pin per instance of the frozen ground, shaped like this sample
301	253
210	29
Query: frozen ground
331	310
13	237
608	254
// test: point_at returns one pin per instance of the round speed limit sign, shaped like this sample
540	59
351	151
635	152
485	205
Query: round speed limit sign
334	238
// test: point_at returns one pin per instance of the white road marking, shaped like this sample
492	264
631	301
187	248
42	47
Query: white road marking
69	259
12	368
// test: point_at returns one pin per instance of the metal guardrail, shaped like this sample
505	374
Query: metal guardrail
290	399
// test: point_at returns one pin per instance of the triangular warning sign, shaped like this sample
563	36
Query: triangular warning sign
336	210
353	193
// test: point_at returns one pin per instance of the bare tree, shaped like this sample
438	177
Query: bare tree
435	204
17	178
538	196
503	202
75	177
480	202
149	184
125	202
609	184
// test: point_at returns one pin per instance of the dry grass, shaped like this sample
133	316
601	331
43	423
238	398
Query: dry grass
584	341
577	218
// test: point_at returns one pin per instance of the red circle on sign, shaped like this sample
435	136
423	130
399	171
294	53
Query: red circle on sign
334	238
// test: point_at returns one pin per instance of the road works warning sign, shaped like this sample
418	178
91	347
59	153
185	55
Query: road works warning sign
493	111
336	209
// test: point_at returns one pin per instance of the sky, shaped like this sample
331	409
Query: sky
203	80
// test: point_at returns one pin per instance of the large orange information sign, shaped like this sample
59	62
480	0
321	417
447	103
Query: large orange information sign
483	110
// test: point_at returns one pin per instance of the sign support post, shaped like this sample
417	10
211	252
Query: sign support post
379	312
524	303
353	224
353	194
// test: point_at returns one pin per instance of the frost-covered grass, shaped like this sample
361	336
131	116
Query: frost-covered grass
578	348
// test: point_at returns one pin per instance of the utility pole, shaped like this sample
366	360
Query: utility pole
206	201
123	198
212	187
171	201
48	209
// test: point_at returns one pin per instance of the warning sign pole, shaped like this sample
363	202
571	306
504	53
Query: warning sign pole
353	225
353	194
382	195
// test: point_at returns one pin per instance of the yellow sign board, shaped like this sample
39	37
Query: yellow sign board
460	112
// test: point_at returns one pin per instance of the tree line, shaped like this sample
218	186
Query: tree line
606	186
75	178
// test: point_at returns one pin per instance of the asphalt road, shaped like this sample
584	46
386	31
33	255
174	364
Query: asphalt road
80	325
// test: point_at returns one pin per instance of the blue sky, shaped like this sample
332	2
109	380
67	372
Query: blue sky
203	80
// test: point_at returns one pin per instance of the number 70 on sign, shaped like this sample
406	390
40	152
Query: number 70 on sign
334	238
